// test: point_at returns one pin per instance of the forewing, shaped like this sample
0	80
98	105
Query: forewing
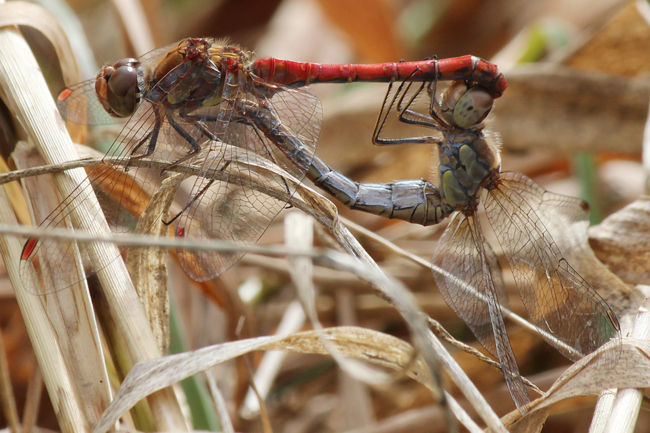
256	177
558	300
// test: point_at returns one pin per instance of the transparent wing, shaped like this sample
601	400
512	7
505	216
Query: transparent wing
474	288
265	140
124	190
78	103
463	289
558	300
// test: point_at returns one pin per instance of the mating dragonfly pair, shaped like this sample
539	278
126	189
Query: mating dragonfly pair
240	123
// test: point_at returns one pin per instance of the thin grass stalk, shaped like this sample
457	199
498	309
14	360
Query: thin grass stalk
33	400
628	401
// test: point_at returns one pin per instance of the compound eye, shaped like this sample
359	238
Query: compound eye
449	99
472	107
452	95
123	91
129	61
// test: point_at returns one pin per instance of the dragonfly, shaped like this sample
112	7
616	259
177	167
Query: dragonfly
206	104
563	306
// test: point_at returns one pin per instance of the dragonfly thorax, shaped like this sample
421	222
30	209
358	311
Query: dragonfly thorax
467	164
199	64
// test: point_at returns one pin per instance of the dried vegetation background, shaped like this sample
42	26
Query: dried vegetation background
573	119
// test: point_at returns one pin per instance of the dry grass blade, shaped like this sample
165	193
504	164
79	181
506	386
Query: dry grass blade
70	312
628	401
299	230
33	400
220	404
16	197
28	14
325	211
71	315
28	97
299	237
432	350
42	334
292	321
370	346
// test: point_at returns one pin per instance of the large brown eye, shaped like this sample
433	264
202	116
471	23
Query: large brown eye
123	91
472	107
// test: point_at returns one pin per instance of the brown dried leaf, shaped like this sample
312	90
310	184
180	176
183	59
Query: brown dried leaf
588	111
622	242
590	376
619	47
148	266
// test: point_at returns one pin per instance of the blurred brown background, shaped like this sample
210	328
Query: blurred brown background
577	72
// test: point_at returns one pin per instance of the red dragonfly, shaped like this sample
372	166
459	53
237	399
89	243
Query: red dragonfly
206	104
569	313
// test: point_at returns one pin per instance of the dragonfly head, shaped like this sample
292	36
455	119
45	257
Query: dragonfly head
464	106
118	88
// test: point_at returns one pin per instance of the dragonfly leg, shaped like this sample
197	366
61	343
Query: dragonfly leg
196	148
151	137
146	138
199	122
405	115
190	202
195	197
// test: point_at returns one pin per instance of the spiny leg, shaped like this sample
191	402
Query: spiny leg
417	118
